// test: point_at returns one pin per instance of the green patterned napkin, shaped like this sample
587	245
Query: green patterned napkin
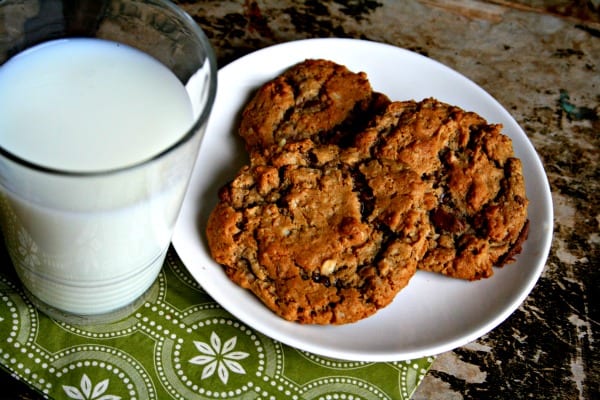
179	344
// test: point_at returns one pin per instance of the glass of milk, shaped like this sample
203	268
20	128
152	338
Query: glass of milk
103	105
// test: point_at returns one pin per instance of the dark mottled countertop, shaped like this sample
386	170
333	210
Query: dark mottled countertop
541	60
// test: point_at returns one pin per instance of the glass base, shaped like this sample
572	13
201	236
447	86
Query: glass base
92	319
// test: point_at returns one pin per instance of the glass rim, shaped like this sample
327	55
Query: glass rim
189	134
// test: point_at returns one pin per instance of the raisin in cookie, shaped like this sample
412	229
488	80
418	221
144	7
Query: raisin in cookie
318	234
480	217
316	99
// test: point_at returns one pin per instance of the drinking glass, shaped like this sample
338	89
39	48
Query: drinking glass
88	245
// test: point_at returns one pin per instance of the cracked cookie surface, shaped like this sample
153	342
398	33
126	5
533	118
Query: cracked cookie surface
480	217
316	99
319	235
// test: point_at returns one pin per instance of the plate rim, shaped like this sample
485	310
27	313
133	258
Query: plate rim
397	355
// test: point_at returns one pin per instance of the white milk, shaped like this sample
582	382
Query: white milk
89	105
90	244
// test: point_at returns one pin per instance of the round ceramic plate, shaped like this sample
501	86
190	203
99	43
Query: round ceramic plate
433	313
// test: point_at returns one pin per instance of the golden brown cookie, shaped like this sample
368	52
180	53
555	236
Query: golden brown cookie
480	216
347	194
318	234
316	99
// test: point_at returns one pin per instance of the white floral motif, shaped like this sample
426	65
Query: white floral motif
87	391
219	358
28	250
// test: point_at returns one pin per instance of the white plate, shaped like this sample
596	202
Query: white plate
433	313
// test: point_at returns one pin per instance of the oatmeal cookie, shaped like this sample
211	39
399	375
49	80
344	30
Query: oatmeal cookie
480	216
316	99
318	234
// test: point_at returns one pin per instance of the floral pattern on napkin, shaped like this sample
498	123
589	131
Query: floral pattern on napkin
179	344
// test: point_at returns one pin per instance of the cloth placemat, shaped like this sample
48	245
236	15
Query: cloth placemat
179	344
